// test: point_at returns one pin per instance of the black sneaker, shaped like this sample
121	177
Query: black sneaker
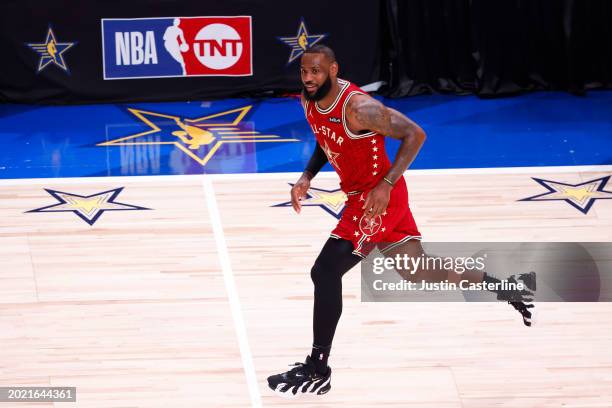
525	295
521	300
301	379
523	308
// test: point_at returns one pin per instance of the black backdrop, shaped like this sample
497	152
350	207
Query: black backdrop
486	47
25	21
497	47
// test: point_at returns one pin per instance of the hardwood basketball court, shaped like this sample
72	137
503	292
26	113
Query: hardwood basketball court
197	295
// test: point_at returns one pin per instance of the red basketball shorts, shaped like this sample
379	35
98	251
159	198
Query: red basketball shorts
386	231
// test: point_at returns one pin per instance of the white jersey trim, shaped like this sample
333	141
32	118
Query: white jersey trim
343	86
401	241
346	129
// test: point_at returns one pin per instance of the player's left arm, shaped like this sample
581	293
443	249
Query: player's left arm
365	113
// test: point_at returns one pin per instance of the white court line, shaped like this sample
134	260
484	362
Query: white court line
232	294
103	179
294	175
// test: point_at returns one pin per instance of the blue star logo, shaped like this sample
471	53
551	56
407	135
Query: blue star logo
51	51
581	196
88	208
301	41
332	201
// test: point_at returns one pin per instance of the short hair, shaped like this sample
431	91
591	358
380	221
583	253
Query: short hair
322	49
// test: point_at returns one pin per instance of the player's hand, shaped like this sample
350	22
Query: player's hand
377	200
298	193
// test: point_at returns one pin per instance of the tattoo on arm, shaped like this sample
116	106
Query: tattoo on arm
369	114
372	115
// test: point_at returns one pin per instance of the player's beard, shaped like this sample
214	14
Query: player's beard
321	92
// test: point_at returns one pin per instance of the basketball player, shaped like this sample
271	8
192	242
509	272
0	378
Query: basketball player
350	127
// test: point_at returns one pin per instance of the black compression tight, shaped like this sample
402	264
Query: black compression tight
336	258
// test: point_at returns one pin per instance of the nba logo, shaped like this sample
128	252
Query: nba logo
177	46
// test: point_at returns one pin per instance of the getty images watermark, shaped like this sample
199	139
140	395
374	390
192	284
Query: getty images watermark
451	272
404	264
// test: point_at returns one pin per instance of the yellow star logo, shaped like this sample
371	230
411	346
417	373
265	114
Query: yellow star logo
331	201
84	204
199	138
302	40
88	208
581	196
51	51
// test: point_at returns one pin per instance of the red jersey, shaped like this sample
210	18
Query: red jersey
359	159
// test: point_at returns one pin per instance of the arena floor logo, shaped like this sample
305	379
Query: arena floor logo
177	47
332	201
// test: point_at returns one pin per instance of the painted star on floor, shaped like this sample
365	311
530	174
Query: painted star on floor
332	201
88	208
581	196
200	138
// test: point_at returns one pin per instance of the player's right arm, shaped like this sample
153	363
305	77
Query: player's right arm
300	188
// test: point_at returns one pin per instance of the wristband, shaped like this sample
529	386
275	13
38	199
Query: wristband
388	181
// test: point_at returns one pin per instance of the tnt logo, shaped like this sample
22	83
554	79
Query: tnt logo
218	46
177	46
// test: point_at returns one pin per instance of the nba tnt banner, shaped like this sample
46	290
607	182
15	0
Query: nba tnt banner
177	47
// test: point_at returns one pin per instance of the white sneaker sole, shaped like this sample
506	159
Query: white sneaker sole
291	395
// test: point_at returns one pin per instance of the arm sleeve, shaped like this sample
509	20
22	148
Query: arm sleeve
317	161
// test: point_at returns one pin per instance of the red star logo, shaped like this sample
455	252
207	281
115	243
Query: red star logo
331	156
370	227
